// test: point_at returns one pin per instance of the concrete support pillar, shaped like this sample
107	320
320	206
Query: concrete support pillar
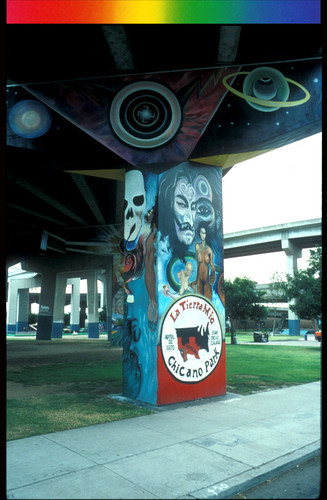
75	304
107	282
92	305
102	300
174	316
12	306
59	306
23	310
18	302
293	253
47	296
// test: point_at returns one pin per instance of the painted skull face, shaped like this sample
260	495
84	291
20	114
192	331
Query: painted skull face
134	204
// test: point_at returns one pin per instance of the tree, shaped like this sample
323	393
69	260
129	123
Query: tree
103	314
258	312
243	301
303	289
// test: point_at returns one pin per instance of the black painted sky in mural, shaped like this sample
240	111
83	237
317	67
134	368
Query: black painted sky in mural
170	117
237	127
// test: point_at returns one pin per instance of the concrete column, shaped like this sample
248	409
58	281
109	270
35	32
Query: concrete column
92	305
59	307
102	299
107	282
47	296
12	306
293	253
174	316
75	304
23	310
18	311
83	314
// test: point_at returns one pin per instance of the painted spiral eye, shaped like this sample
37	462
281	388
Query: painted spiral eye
145	114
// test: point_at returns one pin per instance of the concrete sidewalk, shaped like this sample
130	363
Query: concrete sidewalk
213	448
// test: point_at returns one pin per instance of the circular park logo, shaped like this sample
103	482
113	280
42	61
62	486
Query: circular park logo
191	339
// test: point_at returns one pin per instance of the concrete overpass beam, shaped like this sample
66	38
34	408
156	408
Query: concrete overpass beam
290	249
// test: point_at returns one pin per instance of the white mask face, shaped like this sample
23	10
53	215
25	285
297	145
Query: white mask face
134	205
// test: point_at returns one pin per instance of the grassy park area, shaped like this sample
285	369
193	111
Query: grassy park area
252	368
247	336
52	396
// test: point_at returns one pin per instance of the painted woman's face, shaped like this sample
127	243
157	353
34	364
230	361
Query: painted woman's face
184	211
203	234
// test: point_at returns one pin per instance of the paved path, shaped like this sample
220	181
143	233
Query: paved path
211	448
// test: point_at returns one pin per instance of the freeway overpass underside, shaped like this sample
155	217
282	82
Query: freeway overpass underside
302	234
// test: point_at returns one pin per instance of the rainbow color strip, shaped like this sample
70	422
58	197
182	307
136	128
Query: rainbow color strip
163	11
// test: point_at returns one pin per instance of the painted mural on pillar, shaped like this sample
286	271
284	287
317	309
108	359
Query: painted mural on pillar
173	280
190	283
141	307
140	234
191	230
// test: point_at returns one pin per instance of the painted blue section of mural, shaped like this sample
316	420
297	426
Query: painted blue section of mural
173	247
141	311
190	238
57	328
116	336
93	330
294	326
143	343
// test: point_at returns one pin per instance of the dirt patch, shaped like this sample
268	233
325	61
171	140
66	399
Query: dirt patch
21	354
21	391
16	390
24	353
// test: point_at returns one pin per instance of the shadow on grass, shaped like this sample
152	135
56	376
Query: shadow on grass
48	398
45	414
51	398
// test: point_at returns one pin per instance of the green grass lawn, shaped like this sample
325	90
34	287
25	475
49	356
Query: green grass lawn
58	412
68	373
80	398
71	395
251	368
247	336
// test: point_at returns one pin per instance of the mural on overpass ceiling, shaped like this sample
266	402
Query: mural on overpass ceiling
145	119
199	115
242	129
